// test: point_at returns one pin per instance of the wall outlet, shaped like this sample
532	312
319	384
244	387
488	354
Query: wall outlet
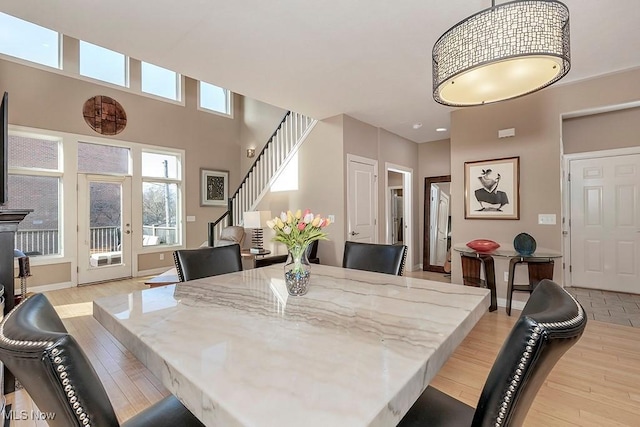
161	257
191	218
506	276
331	218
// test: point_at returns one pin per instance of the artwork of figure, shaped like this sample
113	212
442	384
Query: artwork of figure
488	196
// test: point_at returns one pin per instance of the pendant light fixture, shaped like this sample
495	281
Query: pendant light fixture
502	52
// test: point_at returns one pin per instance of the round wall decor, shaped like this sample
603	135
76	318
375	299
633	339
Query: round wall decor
105	115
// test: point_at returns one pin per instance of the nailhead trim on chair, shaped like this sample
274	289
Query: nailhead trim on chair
70	392
10	341
178	268
404	259
53	355
526	355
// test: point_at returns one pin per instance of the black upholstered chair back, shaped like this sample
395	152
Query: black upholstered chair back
551	322
205	262
52	367
374	257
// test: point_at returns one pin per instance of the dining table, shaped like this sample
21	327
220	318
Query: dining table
357	350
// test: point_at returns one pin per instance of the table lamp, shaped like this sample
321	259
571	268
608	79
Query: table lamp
256	220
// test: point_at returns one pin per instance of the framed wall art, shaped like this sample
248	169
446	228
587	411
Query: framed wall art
492	189
214	187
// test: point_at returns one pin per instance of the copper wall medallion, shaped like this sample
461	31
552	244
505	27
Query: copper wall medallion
105	115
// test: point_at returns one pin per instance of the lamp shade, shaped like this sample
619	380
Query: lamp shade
502	52
256	219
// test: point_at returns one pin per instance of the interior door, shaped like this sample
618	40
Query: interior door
605	223
362	200
104	228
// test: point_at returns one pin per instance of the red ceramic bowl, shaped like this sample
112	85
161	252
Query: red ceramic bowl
483	245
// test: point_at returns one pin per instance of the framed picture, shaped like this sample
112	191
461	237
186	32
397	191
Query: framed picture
492	189
214	187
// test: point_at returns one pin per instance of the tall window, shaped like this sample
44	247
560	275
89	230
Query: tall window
160	199
34	183
160	81
214	98
103	64
28	41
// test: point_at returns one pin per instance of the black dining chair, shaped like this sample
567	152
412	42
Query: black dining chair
374	257
208	261
552	321
36	347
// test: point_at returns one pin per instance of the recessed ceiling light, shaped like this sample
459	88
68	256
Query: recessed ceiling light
417	125
441	129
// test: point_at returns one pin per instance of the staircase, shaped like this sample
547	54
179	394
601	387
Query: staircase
276	154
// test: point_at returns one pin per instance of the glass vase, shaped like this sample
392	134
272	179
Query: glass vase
297	271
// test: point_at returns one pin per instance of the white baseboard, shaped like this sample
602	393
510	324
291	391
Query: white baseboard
51	287
153	271
515	305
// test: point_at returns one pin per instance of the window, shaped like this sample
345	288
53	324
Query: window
28	41
103	64
160	81
35	183
288	178
214	98
104	159
160	199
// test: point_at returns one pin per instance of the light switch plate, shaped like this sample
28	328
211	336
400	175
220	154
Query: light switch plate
191	218
331	218
547	219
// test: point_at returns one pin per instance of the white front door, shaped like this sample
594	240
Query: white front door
362	200
104	228
605	223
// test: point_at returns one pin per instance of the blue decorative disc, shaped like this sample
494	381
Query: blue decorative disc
524	244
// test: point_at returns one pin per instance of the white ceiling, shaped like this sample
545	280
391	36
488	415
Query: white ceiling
370	59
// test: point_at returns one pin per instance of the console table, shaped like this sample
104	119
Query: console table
540	266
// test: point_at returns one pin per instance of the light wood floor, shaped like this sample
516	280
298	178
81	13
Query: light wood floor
596	383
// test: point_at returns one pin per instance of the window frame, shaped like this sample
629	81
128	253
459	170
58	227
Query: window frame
126	66
68	202
49	173
179	82
229	101
180	232
36	64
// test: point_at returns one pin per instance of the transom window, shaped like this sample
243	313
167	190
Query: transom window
24	40
103	64
214	98
103	159
160	81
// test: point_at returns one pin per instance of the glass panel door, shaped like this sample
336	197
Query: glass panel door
104	228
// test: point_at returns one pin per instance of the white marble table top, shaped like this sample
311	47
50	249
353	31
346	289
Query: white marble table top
357	350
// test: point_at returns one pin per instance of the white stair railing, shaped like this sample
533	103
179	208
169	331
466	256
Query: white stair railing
276	154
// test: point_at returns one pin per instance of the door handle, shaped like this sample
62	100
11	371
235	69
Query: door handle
353	233
128	232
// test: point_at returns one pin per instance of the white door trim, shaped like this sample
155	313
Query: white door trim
374	164
566	196
407	198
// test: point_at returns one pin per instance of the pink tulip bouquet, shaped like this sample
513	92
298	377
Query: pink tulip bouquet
298	229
